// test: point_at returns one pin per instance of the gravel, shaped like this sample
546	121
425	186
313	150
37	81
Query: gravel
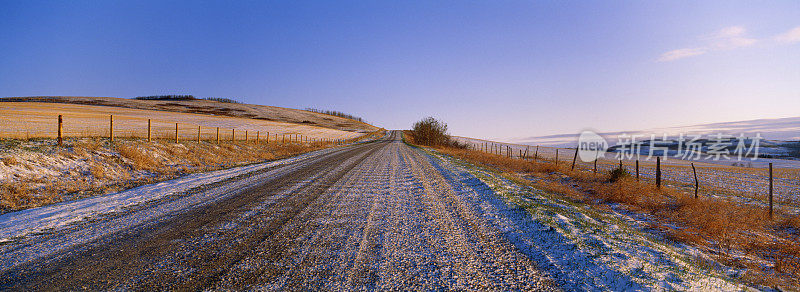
373	216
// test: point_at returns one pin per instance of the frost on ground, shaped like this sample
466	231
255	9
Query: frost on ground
375	216
50	218
367	217
582	248
716	178
38	172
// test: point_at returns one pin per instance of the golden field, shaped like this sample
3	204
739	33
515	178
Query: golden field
22	120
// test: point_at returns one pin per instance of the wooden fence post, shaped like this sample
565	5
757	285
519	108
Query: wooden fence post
60	131
637	169
258	133
525	156
267	137
111	128
696	182
596	154
149	135
536	155
233	135
176	132
245	136
770	190
574	158
198	133
658	172
217	135
556	162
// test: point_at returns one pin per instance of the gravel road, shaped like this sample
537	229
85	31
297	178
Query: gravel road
377	215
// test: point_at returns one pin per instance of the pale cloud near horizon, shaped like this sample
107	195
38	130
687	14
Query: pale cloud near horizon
791	36
680	54
728	38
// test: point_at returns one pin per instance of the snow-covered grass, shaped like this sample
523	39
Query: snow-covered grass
21	223
37	172
735	234
744	181
588	249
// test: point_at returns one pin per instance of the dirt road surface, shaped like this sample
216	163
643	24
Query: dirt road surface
376	215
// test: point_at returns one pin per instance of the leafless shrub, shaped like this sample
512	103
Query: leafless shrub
430	132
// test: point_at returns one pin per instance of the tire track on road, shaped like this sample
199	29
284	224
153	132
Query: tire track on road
363	217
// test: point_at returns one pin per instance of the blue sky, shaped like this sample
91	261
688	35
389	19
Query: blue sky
490	69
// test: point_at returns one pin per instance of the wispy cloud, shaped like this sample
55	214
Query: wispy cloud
680	54
791	36
728	38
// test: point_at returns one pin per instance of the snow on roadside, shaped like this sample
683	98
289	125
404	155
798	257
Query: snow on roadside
56	216
583	248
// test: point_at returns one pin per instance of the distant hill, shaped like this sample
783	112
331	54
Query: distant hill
780	129
202	106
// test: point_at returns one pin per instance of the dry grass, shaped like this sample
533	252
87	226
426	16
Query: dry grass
18	195
738	234
14	195
10	161
97	171
141	159
101	167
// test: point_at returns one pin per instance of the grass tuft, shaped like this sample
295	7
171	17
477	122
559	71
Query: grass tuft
10	161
